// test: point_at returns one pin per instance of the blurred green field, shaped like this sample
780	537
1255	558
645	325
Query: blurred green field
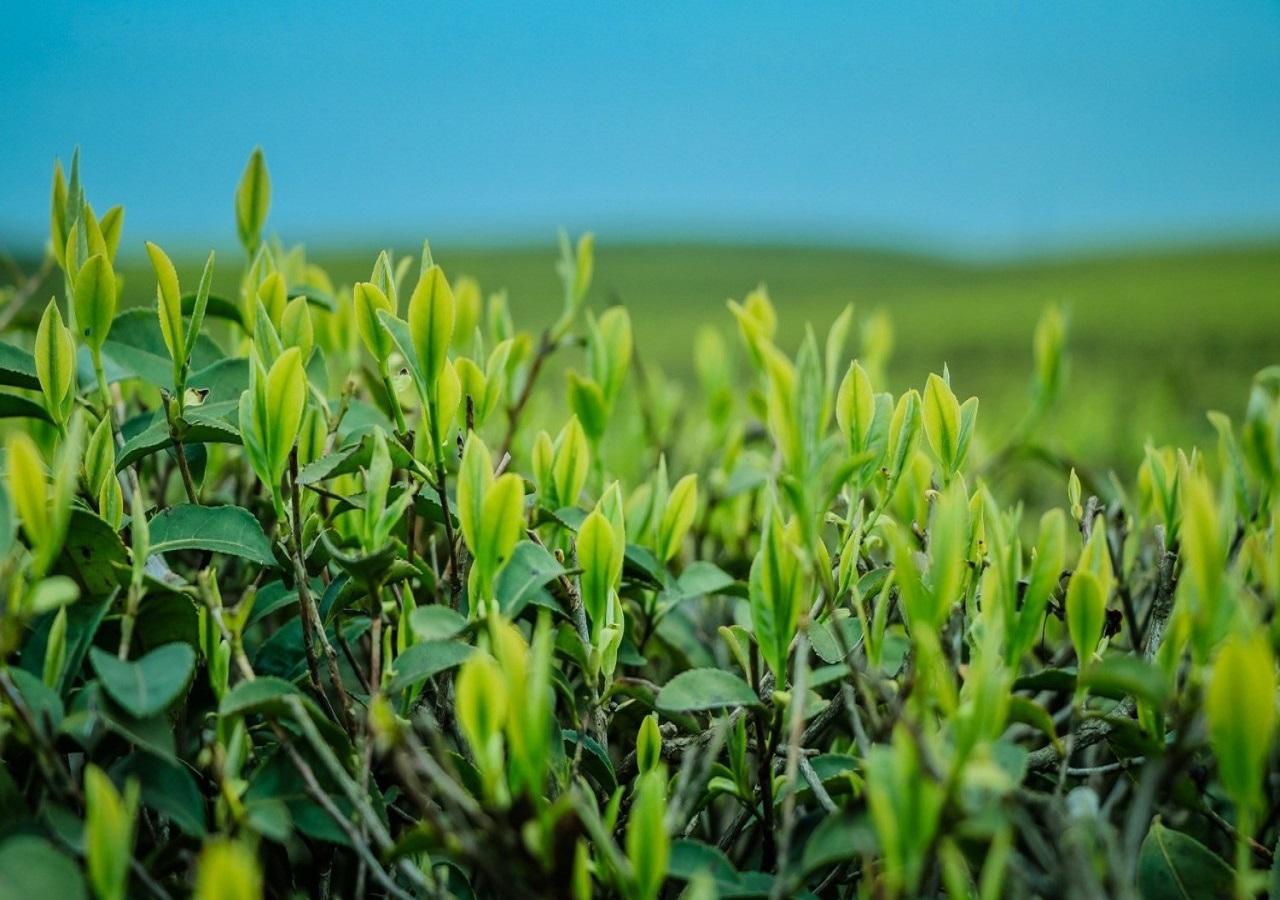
1156	336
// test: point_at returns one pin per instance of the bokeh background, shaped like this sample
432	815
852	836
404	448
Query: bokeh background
957	165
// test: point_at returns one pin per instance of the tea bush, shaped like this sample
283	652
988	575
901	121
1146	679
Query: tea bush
340	592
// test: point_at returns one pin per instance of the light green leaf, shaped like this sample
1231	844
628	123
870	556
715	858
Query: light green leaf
474	478
169	301
775	593
28	486
228	870
648	844
108	833
286	398
588	404
1240	706
677	518
95	298
1086	611
369	301
55	358
430	317
253	199
942	421
595	552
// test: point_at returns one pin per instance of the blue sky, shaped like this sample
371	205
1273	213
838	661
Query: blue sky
982	126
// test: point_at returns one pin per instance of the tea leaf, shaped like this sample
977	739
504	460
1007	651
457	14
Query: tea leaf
231	530
169	301
55	358
697	690
148	685
430	317
253	199
95	299
1172	864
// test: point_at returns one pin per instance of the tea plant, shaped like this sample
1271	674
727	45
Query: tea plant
350	591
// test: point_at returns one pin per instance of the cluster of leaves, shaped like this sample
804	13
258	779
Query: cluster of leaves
298	598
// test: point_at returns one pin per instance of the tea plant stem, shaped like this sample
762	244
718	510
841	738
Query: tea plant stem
1263	853
47	752
180	452
345	783
314	789
133	599
811	777
594	717
764	760
799	686
344	405
440	483
442	494
401	426
311	622
321	797
545	348
1093	730
1106	768
375	680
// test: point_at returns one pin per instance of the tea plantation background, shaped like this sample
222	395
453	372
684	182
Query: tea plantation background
1156	335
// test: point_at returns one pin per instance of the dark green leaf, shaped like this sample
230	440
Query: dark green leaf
689	857
168	788
1028	712
1062	680
699	579
422	661
640	565
209	424
167	618
705	689
30	867
147	686
135	348
264	695
224	380
93	554
838	838
436	623
595	760
1114	676
523	578
44	705
218	307
270	697
830	646
93	705
17	367
219	529
1172	864
14	407
351	458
